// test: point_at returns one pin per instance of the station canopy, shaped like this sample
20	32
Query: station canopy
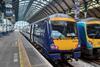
33	10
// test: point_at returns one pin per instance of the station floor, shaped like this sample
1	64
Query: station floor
16	51
9	51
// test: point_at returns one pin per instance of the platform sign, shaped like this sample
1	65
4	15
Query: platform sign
8	11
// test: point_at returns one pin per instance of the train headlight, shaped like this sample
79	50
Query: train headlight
90	42
79	45
54	47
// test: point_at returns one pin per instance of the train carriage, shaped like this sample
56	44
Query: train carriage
89	34
57	36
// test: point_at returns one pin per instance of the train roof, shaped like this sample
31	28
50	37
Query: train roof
61	17
91	20
58	16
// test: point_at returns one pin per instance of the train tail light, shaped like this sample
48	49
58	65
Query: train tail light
54	47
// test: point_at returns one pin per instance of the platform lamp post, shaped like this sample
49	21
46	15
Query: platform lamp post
85	8
6	25
76	9
2	14
2	9
13	20
1	25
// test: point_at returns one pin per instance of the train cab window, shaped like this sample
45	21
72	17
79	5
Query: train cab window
63	29
93	31
57	34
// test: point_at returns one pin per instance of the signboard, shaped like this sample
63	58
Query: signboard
8	11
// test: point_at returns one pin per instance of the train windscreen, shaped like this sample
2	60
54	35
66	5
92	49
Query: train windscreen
93	31
63	29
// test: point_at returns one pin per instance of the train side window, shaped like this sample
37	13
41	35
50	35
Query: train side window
39	29
36	26
36	30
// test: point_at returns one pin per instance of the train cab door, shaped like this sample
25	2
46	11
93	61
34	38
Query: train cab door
31	32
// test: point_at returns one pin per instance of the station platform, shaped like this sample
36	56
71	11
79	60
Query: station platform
16	51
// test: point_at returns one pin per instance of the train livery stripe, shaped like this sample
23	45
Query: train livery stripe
62	19
93	22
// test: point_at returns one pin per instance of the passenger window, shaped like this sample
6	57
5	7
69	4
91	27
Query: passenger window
36	30
39	30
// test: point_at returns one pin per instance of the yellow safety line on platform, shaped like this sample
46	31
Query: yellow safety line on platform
24	60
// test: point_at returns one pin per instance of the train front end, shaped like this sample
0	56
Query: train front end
93	37
89	36
64	38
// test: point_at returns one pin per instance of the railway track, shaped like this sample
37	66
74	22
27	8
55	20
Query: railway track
94	62
80	63
97	61
64	64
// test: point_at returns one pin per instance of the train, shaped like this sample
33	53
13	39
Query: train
89	36
6	27
56	36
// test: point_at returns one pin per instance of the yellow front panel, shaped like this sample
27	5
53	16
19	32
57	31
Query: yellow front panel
67	44
95	42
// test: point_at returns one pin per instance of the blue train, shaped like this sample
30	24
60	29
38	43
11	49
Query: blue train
56	36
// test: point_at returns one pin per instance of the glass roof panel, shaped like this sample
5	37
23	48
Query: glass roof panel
37	5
